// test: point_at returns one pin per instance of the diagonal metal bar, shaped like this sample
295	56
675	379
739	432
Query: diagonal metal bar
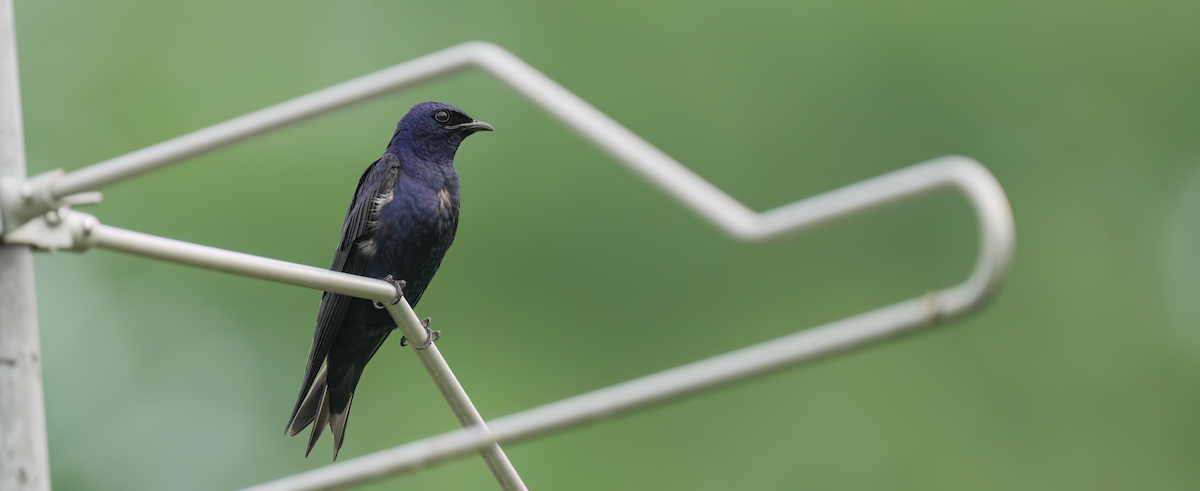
240	128
460	404
802	347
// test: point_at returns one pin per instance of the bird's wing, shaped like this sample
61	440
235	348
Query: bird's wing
374	189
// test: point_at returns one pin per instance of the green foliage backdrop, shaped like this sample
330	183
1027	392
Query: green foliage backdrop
570	273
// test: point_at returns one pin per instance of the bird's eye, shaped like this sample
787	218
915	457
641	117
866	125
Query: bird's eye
441	116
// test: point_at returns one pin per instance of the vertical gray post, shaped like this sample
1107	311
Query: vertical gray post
24	461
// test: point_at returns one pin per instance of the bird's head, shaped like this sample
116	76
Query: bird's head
434	130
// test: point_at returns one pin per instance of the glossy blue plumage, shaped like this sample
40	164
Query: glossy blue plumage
400	223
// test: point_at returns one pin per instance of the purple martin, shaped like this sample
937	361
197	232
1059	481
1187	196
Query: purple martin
401	222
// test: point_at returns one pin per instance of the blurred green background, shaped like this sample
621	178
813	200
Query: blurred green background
570	273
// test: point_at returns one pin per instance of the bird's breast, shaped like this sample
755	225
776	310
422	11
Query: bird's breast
414	217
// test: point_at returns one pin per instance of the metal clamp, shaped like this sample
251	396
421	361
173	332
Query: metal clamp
22	200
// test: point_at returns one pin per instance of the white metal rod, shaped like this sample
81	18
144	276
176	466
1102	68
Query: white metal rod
178	251
24	459
802	347
460	404
319	279
965	175
594	125
240	128
960	173
659	168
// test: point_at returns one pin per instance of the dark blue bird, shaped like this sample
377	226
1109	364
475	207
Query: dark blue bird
400	224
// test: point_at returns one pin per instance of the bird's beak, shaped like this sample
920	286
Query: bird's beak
473	126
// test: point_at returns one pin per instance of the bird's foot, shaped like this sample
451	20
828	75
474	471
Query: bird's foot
430	335
399	290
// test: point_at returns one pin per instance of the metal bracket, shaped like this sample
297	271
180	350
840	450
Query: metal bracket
22	200
62	229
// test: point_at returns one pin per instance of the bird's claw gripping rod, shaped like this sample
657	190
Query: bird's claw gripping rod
54	226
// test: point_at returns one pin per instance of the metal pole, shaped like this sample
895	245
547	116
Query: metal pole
24	460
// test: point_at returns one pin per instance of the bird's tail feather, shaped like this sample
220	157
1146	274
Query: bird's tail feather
322	418
307	411
315	410
337	426
319	407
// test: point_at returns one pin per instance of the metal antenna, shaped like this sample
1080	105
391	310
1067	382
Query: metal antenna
37	213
